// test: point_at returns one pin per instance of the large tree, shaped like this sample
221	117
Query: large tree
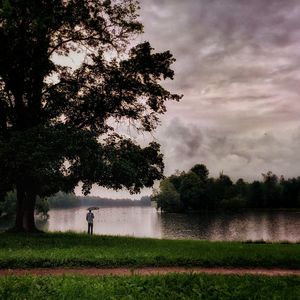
57	123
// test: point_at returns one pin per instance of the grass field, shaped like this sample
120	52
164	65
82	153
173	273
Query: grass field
150	287
75	250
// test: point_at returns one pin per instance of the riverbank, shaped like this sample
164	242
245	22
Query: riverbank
80	250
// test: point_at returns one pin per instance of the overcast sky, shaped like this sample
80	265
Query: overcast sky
238	66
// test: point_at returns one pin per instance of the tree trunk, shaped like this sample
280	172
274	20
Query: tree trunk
28	218
25	211
19	209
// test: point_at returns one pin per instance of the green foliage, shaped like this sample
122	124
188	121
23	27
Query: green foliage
198	192
255	194
201	171
168	199
223	188
241	187
271	190
174	286
191	191
290	192
176	180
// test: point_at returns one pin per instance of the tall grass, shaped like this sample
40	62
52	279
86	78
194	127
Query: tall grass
150	287
74	250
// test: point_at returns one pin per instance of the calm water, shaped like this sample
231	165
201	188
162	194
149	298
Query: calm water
147	222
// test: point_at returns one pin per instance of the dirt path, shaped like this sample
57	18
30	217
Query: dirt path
146	271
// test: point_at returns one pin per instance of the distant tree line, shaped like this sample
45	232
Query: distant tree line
108	202
195	190
64	200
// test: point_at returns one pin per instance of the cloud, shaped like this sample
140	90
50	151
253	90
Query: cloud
232	41
180	140
237	155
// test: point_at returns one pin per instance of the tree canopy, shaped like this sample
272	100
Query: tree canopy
57	122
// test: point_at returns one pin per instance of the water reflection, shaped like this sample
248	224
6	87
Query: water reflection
132	221
271	226
147	222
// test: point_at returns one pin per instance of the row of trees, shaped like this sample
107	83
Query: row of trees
195	190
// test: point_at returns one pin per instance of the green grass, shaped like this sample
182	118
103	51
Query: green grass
75	250
150	287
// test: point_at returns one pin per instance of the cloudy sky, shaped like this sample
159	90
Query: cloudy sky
238	66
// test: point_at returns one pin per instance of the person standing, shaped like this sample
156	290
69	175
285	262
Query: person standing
90	220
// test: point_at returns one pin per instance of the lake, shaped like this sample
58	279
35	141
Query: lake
147	222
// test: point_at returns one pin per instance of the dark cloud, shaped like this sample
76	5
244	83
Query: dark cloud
182	141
